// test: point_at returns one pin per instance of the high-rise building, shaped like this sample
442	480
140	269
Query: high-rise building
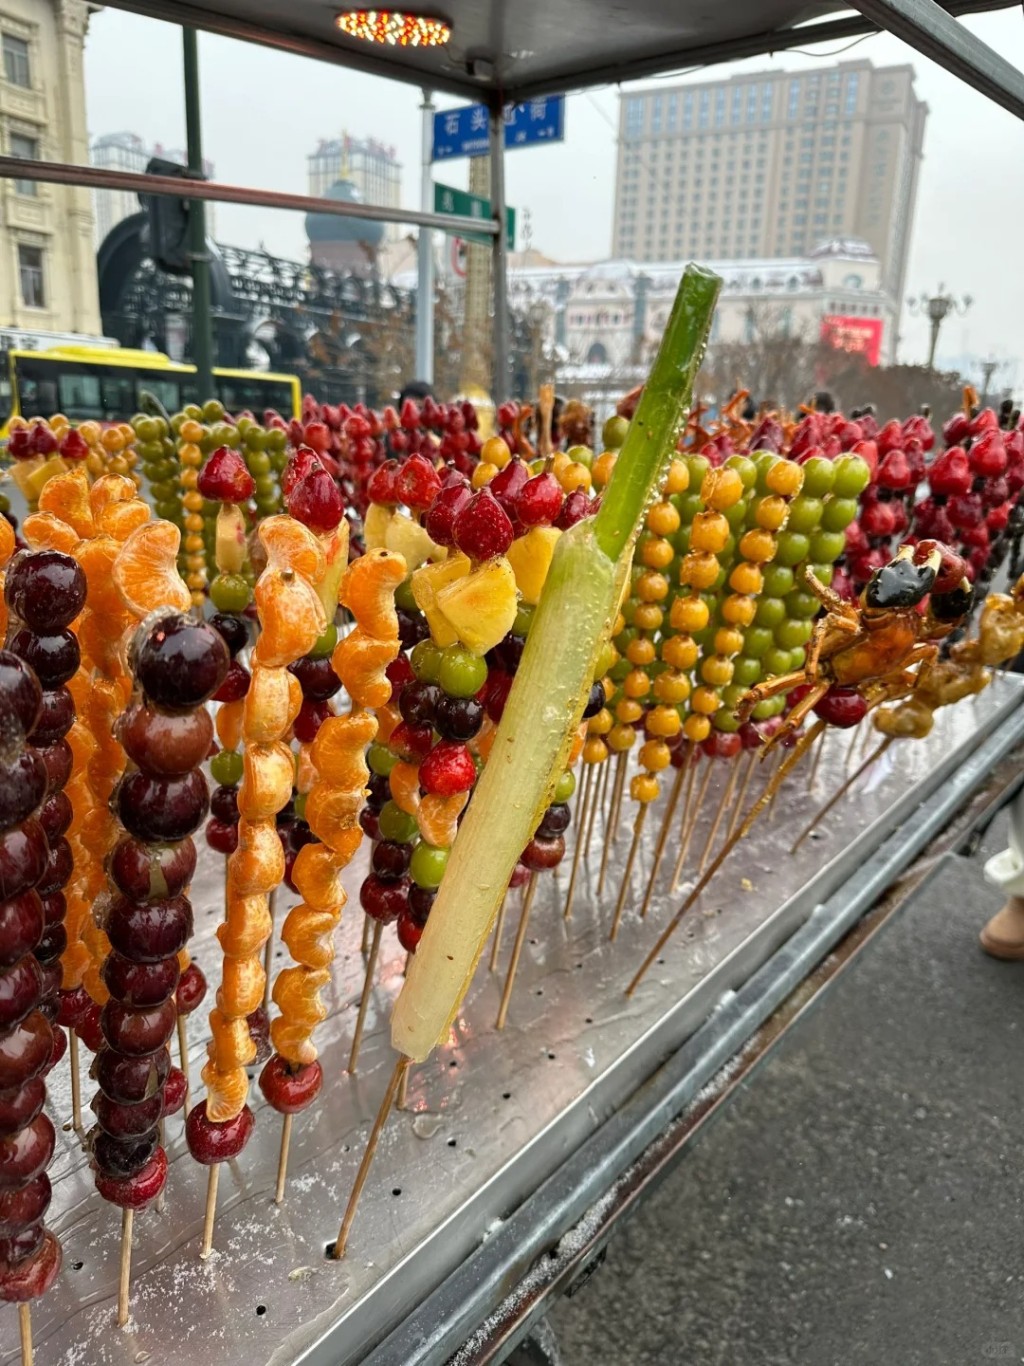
128	152
116	152
47	263
373	168
770	164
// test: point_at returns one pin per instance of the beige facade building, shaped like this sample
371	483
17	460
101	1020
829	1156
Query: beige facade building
769	164
47	261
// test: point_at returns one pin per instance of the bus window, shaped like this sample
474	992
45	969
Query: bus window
167	392
80	395
118	397
279	397
38	393
255	394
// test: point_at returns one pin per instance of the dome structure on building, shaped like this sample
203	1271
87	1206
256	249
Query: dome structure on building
328	229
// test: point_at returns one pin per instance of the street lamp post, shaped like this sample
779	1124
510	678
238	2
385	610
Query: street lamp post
988	369
937	308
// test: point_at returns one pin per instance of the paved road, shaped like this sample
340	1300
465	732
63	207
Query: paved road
861	1201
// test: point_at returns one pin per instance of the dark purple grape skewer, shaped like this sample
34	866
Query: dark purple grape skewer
29	1254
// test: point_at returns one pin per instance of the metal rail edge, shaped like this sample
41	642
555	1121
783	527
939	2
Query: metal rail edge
486	1307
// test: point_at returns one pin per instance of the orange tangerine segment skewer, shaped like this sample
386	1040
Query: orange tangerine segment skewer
291	619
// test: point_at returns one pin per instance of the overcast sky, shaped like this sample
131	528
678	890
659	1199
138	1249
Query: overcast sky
264	112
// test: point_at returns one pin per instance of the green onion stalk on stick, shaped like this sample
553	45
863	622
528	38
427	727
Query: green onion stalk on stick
580	600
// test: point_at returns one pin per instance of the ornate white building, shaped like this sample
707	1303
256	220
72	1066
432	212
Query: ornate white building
611	314
47	261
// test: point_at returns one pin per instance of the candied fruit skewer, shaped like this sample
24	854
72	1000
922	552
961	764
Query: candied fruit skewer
667	531
331	781
8	543
661	722
291	1079
292	618
314	500
777	483
965	672
30	1255
477	600
581	596
44	592
90	523
361	660
224	480
852	669
160	801
186	501
43	450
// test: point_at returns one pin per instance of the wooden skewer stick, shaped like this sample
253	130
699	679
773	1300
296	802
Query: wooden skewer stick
401	1066
25	1325
638	829
688	802
364	948
587	792
818	750
779	761
212	1181
663	833
124	1280
597	800
610	824
76	1083
741	796
724	800
403	1090
621	770
854	731
268	953
606	788
161	1199
499	925
282	1160
791	759
364	1000
183	1058
691	817
589	786
517	949
823	811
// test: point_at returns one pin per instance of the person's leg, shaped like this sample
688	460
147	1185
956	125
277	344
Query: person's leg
1003	936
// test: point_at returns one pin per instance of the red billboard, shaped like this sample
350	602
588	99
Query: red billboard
861	336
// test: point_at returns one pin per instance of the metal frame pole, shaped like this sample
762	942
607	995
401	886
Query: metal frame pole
135	182
202	324
927	27
501	382
425	254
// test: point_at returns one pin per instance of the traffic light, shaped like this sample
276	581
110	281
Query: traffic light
168	221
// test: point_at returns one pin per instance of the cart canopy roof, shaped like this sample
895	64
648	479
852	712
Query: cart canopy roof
518	49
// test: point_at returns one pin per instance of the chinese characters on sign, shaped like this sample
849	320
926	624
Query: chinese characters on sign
464	132
447	200
861	336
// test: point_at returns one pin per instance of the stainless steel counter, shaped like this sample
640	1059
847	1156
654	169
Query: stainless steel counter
489	1117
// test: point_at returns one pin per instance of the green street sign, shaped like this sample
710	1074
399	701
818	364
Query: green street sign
464	205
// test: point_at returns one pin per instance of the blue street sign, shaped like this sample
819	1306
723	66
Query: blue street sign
464	132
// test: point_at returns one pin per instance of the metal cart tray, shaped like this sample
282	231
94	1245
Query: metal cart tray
490	1116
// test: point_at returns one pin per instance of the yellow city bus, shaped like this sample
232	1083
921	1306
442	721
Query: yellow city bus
86	382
